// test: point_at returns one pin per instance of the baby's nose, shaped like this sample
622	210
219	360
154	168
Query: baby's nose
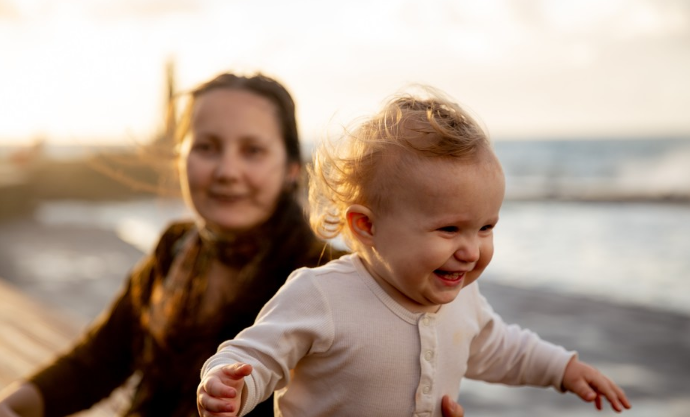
468	251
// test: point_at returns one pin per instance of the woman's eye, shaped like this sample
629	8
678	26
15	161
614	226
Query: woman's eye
253	150
203	146
448	229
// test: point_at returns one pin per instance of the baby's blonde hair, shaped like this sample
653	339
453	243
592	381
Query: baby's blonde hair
370	161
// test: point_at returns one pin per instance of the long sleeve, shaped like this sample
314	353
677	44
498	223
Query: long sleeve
511	355
294	323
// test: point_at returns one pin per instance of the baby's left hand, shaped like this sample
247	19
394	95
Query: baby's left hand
590	385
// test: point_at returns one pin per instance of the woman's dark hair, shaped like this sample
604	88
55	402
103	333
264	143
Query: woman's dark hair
263	86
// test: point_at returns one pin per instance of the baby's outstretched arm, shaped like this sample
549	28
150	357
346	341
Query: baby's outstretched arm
220	392
590	385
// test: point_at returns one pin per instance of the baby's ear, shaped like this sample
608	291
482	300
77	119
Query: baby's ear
361	223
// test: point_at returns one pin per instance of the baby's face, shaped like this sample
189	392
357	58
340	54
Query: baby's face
438	237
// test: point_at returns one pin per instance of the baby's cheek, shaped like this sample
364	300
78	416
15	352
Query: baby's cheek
485	255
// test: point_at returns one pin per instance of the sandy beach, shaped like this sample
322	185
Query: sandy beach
78	270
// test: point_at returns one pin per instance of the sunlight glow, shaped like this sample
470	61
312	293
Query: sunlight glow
83	70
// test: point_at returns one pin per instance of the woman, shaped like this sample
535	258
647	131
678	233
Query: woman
239	163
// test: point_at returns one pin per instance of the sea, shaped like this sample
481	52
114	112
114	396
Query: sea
606	219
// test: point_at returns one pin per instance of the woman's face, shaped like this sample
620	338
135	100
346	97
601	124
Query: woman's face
233	164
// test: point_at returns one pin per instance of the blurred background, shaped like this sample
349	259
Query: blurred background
587	102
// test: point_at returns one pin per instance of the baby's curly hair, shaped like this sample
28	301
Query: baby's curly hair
368	163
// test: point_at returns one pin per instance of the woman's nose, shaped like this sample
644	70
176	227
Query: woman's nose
468	250
228	166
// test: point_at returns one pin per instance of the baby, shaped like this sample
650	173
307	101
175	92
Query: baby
391	329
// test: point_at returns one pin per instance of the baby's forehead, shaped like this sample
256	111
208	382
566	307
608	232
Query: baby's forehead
404	176
409	165
425	171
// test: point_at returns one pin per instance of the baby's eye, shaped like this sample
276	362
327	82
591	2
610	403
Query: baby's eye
449	229
487	227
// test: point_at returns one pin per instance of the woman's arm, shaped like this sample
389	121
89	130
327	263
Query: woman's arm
104	357
21	399
100	361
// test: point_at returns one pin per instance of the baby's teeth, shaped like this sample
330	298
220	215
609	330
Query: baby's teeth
452	275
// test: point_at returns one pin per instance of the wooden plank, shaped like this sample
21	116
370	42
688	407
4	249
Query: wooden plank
32	334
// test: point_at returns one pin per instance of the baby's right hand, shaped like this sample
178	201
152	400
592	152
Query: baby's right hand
220	392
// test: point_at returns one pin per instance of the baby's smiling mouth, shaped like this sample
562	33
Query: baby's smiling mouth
450	275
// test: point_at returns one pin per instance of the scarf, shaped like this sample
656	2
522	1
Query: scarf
176	301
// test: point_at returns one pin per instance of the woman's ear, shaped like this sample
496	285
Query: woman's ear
293	171
292	175
360	220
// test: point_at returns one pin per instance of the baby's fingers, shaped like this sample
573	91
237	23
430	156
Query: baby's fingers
583	390
625	401
616	396
210	406
217	388
237	371
214	397
594	387
451	408
219	393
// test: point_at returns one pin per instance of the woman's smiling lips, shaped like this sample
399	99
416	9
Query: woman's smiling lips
225	198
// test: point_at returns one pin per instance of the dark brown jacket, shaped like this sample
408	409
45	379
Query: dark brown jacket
118	344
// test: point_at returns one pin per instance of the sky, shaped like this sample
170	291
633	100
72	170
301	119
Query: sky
92	71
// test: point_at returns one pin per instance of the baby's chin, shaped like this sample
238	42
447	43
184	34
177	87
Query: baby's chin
444	297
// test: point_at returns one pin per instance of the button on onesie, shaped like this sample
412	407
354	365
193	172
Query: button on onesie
426	395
